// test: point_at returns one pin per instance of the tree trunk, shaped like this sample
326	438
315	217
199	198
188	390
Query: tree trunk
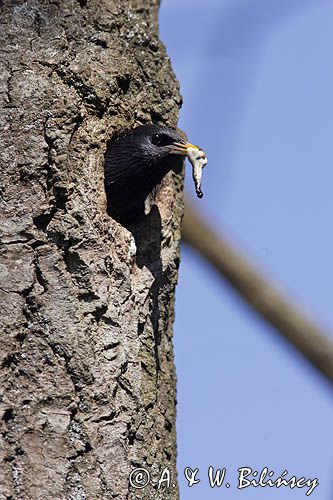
88	380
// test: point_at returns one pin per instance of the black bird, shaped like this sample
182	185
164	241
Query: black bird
135	163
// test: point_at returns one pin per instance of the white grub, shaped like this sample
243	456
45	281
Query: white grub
198	160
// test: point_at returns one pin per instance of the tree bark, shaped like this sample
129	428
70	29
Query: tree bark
87	373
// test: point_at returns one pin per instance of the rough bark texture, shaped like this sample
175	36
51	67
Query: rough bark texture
87	374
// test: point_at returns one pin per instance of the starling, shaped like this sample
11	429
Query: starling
137	161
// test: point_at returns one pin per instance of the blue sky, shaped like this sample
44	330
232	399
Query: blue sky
256	78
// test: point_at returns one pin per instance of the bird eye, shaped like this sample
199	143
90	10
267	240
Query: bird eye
161	140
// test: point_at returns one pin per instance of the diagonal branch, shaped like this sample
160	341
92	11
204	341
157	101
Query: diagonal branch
261	295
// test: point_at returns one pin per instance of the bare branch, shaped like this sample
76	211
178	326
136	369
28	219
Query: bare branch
261	295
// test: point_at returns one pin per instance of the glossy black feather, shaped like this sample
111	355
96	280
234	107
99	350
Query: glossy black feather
134	164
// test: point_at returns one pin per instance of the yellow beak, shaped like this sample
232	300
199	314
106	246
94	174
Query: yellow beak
181	149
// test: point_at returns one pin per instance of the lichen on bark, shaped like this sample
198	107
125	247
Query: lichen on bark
87	373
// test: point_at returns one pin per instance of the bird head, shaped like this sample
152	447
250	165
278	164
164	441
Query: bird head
136	161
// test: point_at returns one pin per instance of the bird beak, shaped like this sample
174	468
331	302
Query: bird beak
181	149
